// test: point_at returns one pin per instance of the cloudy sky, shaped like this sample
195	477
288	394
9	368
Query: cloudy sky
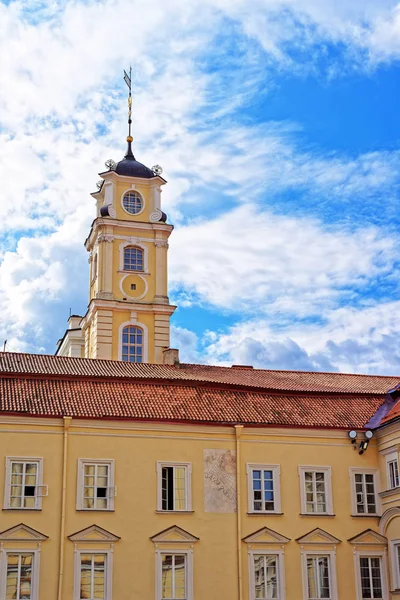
277	124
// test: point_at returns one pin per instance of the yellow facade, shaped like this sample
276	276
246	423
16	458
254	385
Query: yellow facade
219	540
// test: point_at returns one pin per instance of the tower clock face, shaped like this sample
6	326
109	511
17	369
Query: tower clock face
132	203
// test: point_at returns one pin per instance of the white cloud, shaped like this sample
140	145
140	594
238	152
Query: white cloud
249	260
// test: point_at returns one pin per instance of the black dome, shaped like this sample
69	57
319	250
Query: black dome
131	167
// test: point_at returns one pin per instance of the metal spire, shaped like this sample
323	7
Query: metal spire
129	139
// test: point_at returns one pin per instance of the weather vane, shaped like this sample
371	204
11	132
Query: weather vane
128	81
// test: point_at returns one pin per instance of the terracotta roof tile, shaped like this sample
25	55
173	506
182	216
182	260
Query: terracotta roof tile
173	402
295	381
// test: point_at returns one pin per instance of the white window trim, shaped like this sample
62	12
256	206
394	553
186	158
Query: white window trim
328	487
394	544
7	488
390	455
375	472
134	244
35	570
276	470
188	482
108	574
189	571
281	571
132	189
112	490
142	326
369	553
332	571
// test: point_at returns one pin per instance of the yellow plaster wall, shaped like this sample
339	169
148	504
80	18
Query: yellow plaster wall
144	190
136	449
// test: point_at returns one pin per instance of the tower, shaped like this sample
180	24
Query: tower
128	316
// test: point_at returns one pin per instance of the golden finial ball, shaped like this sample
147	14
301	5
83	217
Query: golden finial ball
129	138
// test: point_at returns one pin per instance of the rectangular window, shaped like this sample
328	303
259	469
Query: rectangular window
96	488
393	473
174	491
24	488
371	578
364	492
266	577
315	490
395	558
173	577
318	578
19	578
93	572
263	487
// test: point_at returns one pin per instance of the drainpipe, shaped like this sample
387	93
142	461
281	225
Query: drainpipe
67	423
238	432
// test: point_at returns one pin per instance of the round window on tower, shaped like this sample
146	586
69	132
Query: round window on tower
132	203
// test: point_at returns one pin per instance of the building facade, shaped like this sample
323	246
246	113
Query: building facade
137	477
124	481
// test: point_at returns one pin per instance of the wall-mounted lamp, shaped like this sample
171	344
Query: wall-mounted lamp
364	444
353	437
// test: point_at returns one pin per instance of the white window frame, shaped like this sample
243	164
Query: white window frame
41	489
188	483
108	573
331	554
135	244
35	570
276	474
395	563
353	471
189	571
142	326
111	489
328	488
391	455
371	554
281	571
132	189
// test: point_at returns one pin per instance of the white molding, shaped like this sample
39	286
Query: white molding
189	571
39	482
391	455
143	327
328	488
164	537
276	475
108	570
99	535
394	544
35	570
138	274
331	554
281	571
275	538
364	471
110	462
382	554
387	516
132	189
188	482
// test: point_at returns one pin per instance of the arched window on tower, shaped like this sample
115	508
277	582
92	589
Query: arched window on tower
132	344
133	259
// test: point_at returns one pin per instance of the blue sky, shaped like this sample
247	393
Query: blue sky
277	125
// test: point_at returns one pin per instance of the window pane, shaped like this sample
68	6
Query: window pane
19	576
173	576
132	350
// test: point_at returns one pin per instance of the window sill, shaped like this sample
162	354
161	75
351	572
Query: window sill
391	492
103	510
317	515
375	515
133	271
175	512
396	592
264	514
23	509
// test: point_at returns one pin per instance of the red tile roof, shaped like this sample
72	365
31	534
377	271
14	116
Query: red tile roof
393	414
173	402
56	386
291	381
